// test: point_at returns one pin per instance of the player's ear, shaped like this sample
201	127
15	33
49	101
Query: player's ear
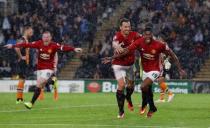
120	27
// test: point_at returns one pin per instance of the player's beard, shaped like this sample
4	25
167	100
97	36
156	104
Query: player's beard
46	43
126	32
148	40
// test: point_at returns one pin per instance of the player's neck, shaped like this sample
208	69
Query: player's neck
46	43
124	35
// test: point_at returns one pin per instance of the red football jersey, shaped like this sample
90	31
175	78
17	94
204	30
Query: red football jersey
150	53
128	59
46	53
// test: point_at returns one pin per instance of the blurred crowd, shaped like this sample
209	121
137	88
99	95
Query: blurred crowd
70	21
183	24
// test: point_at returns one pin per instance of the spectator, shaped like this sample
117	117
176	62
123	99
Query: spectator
6	24
1	38
11	40
198	36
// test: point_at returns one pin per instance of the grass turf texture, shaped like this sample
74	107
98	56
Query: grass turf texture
100	111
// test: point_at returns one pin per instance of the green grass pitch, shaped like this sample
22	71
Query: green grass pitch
100	111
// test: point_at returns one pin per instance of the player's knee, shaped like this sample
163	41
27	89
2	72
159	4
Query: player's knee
41	82
130	84
161	79
121	84
37	90
144	88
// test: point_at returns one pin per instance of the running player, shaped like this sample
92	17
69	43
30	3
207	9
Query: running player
123	66
165	65
51	81
46	53
23	62
150	50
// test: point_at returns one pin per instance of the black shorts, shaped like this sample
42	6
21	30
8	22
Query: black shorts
22	69
165	72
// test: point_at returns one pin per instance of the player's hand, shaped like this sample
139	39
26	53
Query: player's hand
78	50
8	46
182	74
106	60
118	48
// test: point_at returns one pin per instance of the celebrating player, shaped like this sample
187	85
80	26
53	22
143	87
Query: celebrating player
150	50
123	66
46	53
51	81
23	62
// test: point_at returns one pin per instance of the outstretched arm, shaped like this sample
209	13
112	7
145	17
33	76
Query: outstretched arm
123	52
176	61
23	45
106	60
67	48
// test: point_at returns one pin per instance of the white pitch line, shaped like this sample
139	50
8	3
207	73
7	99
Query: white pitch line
61	107
92	125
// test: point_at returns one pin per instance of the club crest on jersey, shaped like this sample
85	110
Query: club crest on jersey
153	51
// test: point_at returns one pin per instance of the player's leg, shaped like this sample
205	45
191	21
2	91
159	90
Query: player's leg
20	87
120	97
152	106
22	69
53	81
146	88
130	87
144	96
120	76
163	87
47	87
40	83
42	77
41	95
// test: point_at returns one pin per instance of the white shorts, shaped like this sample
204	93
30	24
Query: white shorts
153	75
44	74
123	71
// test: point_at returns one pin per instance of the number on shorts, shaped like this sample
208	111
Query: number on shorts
48	74
154	75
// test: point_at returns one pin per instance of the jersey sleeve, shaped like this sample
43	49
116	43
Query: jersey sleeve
164	48
64	48
134	45
34	44
115	41
137	36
